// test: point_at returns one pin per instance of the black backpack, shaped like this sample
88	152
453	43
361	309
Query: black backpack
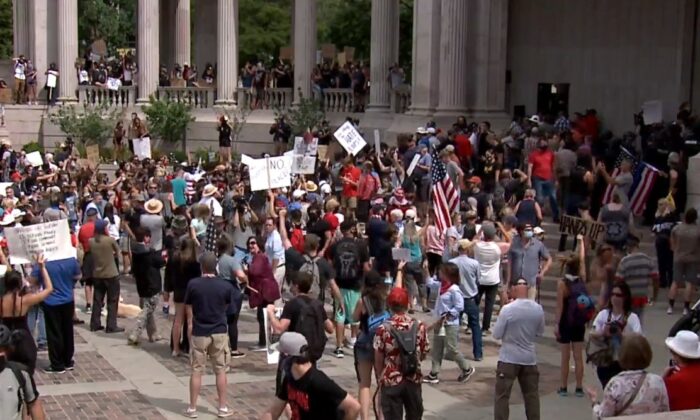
310	325
17	370
408	348
347	260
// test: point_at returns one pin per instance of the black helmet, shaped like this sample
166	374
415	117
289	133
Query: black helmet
5	336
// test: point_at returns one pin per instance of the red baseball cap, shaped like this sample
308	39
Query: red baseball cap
398	297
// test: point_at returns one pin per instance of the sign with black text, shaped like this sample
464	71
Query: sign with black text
571	225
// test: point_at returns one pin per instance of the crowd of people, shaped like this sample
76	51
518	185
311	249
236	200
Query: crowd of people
202	247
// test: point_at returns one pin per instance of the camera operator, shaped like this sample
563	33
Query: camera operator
281	131
611	323
242	228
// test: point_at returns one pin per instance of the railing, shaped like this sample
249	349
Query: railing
270	98
198	97
401	99
97	96
338	100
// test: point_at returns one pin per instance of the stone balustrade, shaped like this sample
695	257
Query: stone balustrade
97	96
338	100
271	98
197	97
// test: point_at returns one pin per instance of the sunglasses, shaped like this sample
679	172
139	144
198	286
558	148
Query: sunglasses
252	243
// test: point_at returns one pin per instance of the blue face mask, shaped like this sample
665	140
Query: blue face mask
528	234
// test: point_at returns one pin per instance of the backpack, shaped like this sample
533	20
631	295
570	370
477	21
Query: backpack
311	266
17	370
310	325
374	320
580	307
13	160
406	342
347	260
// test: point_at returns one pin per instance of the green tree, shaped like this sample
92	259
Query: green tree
114	21
265	26
87	125
307	115
168	121
6	34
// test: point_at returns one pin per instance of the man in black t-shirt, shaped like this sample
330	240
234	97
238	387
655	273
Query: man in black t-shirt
294	261
310	393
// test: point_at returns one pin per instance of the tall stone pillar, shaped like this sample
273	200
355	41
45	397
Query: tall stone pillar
147	49
426	57
304	46
489	55
453	58
67	14
227	52
182	32
384	52
38	39
20	27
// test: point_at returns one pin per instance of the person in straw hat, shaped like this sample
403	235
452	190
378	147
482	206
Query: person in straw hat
209	199
682	376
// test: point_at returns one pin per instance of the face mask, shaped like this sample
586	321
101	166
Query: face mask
528	234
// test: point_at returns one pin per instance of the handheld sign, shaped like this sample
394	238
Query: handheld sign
303	164
377	143
271	172
303	148
322	152
652	112
413	164
34	159
571	225
349	138
113	83
93	154
51	79
142	148
51	239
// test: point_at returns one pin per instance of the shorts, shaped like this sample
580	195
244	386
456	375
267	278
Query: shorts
363	352
685	271
348	202
568	334
125	244
350	299
216	346
88	268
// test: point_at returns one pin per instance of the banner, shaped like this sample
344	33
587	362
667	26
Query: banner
93	154
34	159
571	225
142	148
51	239
349	138
271	172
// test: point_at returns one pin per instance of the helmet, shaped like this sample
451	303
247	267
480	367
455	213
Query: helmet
5	336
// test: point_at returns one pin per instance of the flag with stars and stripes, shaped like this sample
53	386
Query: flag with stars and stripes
643	179
444	194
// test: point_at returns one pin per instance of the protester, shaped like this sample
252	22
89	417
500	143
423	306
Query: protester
262	289
528	258
180	269
104	251
16	376
639	272
685	246
680	378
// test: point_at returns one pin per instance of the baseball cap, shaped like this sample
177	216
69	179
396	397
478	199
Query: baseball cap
100	225
292	344
91	212
397	297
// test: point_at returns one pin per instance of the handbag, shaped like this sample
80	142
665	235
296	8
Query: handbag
633	396
599	350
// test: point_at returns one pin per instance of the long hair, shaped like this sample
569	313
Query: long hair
627	296
374	291
187	253
410	232
571	265
109	213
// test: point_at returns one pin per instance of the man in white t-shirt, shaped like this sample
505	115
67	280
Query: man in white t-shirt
20	78
488	254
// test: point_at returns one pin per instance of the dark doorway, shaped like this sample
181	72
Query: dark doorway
552	98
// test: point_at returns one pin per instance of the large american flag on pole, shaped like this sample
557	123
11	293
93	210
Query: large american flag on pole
445	195
643	179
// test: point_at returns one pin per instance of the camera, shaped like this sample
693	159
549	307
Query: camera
615	327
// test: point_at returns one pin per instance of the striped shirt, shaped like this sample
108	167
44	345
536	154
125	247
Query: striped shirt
637	270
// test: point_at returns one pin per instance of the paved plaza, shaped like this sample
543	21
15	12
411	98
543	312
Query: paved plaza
115	380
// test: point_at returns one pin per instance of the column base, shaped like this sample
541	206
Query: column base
67	100
378	108
225	102
143	101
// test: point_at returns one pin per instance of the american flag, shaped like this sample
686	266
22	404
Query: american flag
444	194
643	179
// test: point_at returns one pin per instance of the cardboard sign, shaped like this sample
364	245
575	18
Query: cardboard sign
341	59
34	159
303	164
51	239
413	164
142	148
51	79
652	111
349	138
271	172
322	152
93	154
286	53
328	51
113	84
302	148
571	225
401	254
377	142
349	54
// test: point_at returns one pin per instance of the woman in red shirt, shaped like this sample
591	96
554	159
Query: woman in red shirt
681	378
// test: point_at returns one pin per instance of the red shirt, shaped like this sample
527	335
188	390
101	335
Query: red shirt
368	186
463	147
683	390
332	220
352	172
86	232
542	164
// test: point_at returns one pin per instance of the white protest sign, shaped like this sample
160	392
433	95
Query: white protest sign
303	148
652	112
273	355
272	172
245	159
34	159
413	164
377	143
51	239
51	79
303	164
3	187
349	138
142	148
113	83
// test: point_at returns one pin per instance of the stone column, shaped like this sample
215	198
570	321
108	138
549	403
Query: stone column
453	58
38	40
304	46
384	52
182	32
67	14
227	52
426	56
20	27
489	56
147	49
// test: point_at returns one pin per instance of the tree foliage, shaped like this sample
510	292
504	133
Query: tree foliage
6	34
111	20
168	120
265	26
87	125
237	118
307	115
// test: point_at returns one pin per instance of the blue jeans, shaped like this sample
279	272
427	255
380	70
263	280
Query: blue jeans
36	315
471	308
545	189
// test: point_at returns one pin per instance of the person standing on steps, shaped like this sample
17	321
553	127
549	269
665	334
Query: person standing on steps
104	250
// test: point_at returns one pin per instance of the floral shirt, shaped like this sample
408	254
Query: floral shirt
384	343
651	398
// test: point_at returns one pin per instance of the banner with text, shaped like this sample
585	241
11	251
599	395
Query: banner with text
571	225
272	172
350	138
51	239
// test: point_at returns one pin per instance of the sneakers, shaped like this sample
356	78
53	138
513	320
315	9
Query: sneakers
155	338
88	309
71	366
485	333
350	343
257	347
52	369
235	354
132	341
563	392
339	353
224	412
669	311
431	378
190	413
466	374
579	392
